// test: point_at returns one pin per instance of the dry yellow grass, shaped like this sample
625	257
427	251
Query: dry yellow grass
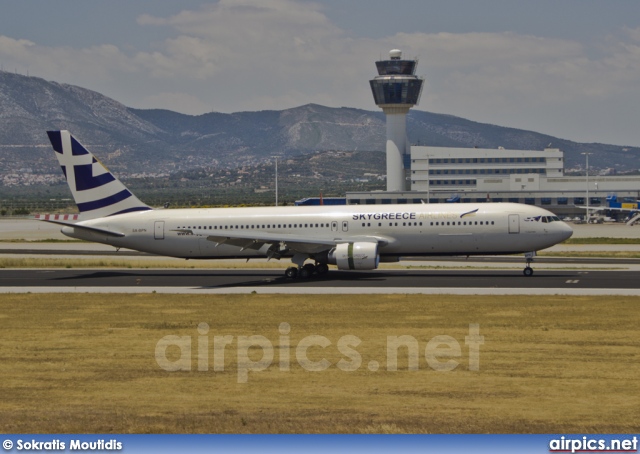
86	363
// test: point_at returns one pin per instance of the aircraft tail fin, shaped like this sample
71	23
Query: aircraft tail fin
96	191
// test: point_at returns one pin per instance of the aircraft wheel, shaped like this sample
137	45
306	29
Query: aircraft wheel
310	267
304	273
322	268
291	272
528	271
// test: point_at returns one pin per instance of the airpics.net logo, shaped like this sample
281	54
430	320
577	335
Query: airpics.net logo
173	353
593	444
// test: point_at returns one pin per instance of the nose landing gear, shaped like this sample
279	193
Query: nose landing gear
528	271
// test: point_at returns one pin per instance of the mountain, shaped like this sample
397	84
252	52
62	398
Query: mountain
243	136
161	141
448	131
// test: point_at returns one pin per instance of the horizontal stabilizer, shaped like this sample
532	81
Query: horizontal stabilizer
85	227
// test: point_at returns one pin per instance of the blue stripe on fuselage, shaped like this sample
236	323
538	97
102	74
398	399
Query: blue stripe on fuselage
131	210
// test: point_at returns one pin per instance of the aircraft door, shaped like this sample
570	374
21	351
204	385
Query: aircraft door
514	223
345	226
158	232
334	226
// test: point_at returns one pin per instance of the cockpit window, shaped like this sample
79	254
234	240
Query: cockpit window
545	219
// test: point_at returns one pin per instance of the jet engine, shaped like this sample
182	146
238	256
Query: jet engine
355	256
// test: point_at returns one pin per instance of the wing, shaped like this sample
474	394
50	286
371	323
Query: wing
632	210
289	242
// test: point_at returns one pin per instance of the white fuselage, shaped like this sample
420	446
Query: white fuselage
401	230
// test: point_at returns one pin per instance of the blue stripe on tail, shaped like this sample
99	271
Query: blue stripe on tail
85	179
96	191
56	140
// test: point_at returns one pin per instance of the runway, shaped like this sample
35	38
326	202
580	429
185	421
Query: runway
588	282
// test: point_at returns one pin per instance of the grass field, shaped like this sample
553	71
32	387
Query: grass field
91	363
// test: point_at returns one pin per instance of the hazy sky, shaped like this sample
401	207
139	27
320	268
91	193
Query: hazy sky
569	68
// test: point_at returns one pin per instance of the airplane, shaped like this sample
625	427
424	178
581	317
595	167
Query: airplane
626	206
351	237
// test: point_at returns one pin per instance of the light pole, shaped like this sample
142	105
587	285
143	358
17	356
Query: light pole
428	178
587	157
276	181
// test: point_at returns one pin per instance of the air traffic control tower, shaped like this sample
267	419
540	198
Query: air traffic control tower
396	89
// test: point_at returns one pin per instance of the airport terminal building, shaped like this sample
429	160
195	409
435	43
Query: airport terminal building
534	177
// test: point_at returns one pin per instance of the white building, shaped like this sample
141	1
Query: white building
468	170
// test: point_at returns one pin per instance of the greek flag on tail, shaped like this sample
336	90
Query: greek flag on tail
95	190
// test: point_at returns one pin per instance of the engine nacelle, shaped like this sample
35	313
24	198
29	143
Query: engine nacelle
355	256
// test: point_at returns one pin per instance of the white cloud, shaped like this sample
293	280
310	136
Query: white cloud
65	64
273	54
546	85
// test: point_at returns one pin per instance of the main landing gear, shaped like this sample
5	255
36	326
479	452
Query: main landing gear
306	271
528	271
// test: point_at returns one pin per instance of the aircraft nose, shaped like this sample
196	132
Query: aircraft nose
565	231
